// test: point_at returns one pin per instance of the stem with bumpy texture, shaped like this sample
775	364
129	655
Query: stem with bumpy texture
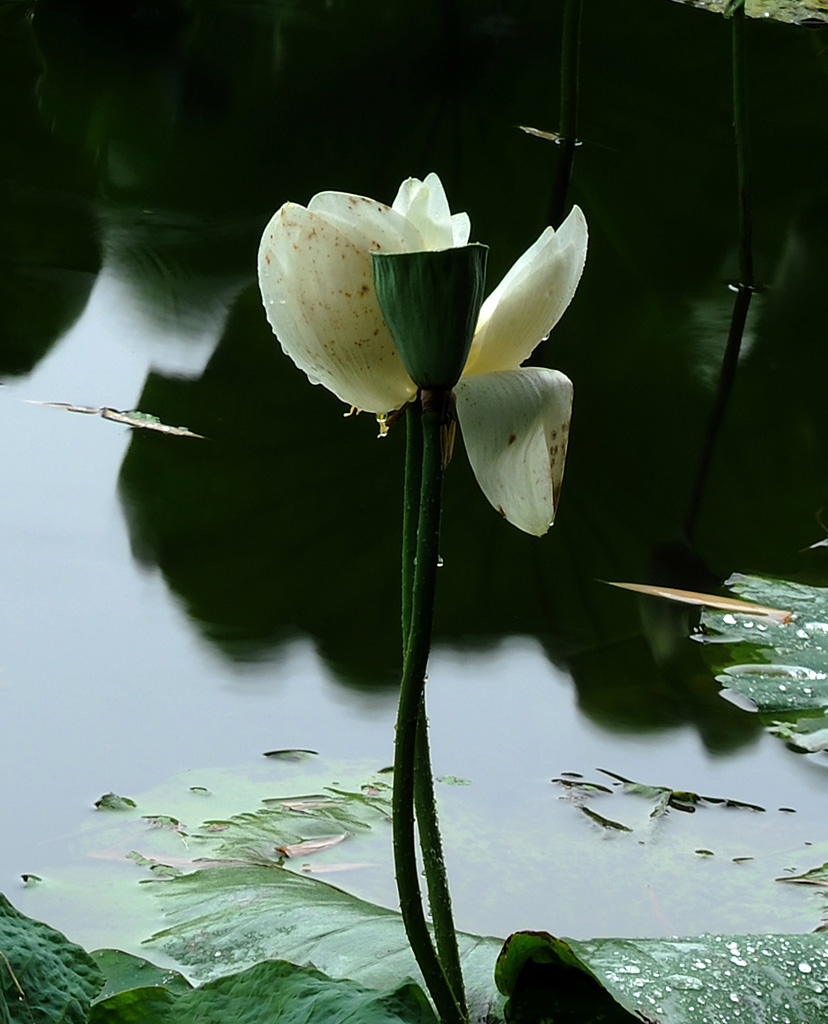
431	846
410	753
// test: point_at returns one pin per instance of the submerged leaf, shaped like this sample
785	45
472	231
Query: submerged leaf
309	846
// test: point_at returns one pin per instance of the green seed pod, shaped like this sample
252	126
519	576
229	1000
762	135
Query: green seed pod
430	302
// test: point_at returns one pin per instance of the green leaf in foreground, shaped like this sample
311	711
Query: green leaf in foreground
711	979
123	971
44	978
269	992
229	918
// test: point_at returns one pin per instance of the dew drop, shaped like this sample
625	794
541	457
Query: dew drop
805	968
684	982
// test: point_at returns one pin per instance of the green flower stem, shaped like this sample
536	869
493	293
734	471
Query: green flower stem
741	138
744	287
410	753
431	846
411	511
425	804
568	122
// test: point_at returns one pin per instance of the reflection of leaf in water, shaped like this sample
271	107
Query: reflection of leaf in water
132	418
291	754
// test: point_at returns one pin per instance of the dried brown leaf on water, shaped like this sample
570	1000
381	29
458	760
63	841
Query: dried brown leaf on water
539	133
725	604
308	846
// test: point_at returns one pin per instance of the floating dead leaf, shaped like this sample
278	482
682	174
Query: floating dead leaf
172	864
324	869
816	877
540	134
131	418
308	846
725	604
608	823
301	803
291	754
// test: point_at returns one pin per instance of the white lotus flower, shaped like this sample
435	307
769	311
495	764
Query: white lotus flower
316	282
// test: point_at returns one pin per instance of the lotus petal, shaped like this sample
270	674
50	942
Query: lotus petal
424	204
368	224
516	426
319	297
530	299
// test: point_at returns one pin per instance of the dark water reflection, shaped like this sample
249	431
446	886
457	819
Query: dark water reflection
158	146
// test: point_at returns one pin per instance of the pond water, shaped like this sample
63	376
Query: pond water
172	603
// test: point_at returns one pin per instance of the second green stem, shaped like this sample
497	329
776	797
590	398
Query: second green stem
413	782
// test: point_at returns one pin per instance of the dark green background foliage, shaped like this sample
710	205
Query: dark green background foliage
176	148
